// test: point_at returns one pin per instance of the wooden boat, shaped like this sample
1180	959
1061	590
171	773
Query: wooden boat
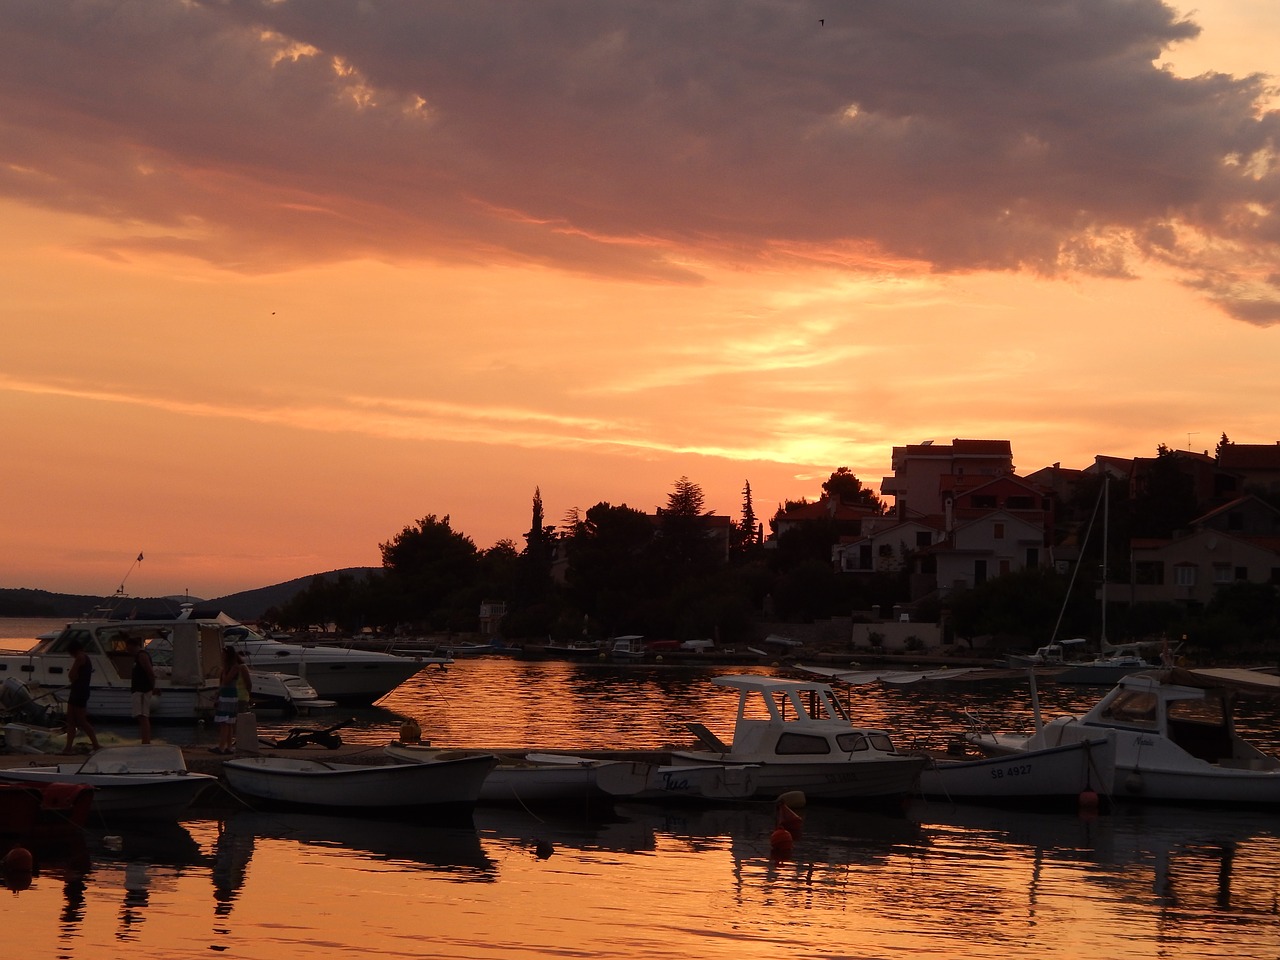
1175	738
800	737
1065	773
634	780
1061	773
573	650
140	782
526	778
453	781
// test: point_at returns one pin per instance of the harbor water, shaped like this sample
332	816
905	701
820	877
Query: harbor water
929	880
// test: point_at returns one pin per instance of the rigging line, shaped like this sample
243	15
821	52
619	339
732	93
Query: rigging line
1085	543
125	578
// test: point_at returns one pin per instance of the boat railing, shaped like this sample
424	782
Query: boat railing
976	726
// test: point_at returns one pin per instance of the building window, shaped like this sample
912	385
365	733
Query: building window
1242	573
979	572
1033	557
1020	503
923	538
1184	575
997	531
1222	573
984	502
1149	572
1004	567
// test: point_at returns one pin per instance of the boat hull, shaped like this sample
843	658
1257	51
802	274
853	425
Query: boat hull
167	704
354	679
707	782
355	787
1213	785
123	796
871	779
1057	773
534	778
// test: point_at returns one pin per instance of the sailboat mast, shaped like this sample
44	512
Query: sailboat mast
1106	529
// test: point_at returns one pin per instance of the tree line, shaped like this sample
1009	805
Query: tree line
681	574
613	570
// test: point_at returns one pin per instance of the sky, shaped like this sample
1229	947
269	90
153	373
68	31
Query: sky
278	279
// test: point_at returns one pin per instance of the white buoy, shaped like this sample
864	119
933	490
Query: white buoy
794	799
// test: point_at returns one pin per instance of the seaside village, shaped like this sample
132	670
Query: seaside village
779	732
963	514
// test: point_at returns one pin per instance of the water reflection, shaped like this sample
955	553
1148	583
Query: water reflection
935	881
542	833
232	852
452	851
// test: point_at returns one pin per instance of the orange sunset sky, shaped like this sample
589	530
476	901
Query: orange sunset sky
280	278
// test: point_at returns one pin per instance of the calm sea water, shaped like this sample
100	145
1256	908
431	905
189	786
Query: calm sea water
935	881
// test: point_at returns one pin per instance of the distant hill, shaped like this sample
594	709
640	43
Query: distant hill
251	604
246	605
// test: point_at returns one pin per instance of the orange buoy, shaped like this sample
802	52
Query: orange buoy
781	839
788	818
1088	800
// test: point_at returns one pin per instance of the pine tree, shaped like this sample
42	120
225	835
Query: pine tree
749	523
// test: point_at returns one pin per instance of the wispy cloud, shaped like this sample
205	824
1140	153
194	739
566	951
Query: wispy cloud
425	420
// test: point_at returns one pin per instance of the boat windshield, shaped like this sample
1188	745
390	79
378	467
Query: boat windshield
1132	708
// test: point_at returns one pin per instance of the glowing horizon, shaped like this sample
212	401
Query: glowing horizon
276	288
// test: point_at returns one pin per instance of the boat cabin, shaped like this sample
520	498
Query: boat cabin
795	719
1192	711
184	653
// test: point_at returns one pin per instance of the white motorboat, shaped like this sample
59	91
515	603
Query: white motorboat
452	781
1107	668
1175	737
138	782
526	778
1069	772
1050	655
800	737
344	674
186	654
286	693
629	647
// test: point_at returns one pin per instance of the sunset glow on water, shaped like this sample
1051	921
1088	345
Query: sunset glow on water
642	881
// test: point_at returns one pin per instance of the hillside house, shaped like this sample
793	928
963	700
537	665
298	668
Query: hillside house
923	473
1239	541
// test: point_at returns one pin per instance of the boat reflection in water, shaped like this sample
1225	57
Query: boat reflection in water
936	880
933	880
452	850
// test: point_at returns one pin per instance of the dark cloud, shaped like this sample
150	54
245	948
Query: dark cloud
629	138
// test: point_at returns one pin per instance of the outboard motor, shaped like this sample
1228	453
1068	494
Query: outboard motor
16	703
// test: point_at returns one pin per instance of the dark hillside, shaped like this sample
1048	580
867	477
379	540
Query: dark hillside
246	605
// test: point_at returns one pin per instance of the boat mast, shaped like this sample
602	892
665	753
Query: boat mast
1106	529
